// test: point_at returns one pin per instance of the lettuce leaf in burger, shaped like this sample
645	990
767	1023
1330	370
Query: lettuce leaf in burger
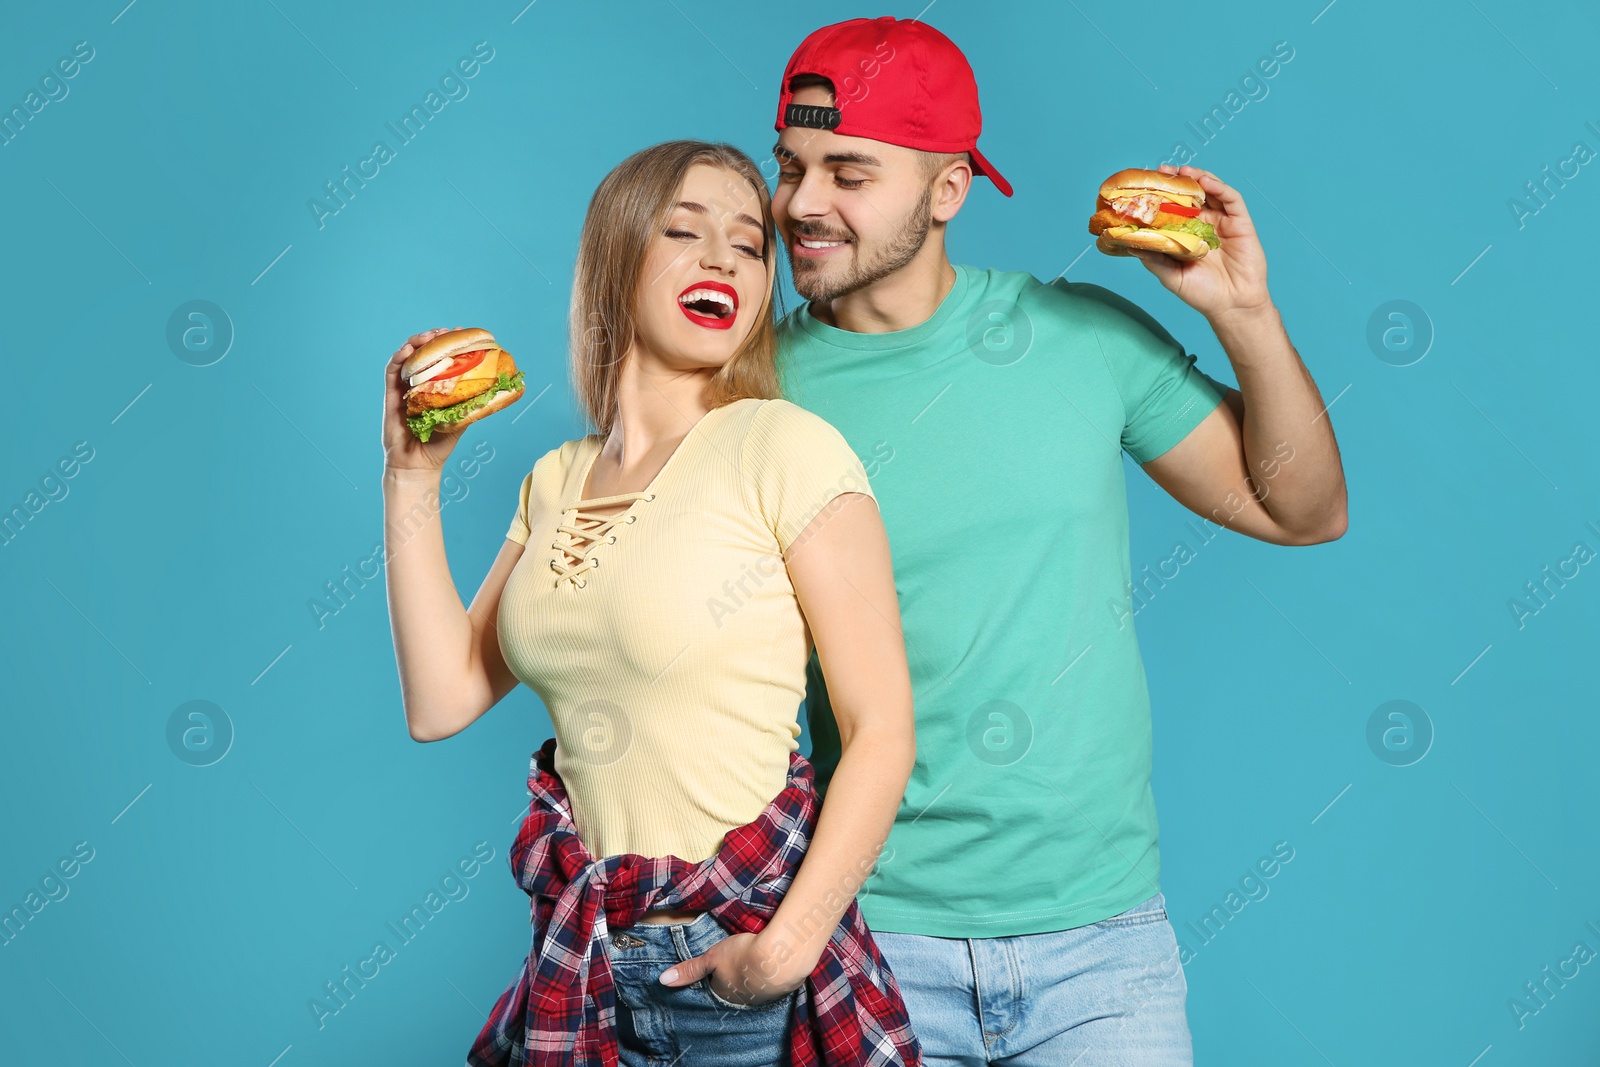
1147	209
456	379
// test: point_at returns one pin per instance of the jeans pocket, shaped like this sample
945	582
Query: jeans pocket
723	1002
1153	910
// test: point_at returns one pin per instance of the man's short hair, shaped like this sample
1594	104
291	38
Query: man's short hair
932	162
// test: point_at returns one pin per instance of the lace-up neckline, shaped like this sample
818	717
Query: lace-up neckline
576	556
582	539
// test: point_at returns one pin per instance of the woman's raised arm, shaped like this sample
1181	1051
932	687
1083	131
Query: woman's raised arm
451	670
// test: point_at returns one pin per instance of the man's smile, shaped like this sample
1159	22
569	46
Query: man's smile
815	246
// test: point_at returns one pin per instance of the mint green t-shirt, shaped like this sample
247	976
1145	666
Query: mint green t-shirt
993	434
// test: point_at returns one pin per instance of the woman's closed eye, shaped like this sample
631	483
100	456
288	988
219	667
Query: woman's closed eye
753	253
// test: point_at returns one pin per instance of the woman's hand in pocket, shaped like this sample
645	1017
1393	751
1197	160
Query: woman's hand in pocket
742	969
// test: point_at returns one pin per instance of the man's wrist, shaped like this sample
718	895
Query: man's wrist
1245	324
1238	317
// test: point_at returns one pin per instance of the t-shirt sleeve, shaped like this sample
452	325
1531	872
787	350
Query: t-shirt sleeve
519	521
1164	394
796	463
522	520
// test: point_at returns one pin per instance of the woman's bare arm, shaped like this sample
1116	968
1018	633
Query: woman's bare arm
451	670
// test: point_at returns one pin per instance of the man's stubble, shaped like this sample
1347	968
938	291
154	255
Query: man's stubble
820	286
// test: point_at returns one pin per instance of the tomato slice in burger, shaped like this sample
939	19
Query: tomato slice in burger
1180	209
462	363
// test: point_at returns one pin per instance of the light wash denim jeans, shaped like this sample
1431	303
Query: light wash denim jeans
688	1026
1110	994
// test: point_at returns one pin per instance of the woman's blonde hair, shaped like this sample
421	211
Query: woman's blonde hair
627	212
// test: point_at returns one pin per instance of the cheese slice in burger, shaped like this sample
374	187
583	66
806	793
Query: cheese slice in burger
1147	209
456	379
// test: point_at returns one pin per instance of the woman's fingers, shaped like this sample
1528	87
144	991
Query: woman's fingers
416	341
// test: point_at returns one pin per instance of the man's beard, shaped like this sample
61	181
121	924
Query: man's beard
818	283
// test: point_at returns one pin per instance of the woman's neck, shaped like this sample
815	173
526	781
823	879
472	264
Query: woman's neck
656	408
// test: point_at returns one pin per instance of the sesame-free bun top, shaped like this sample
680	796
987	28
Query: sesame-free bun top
454	343
1133	181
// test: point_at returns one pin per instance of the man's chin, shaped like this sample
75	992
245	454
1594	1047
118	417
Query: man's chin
819	284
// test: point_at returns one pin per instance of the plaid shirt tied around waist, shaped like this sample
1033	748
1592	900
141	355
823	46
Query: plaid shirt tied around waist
561	1010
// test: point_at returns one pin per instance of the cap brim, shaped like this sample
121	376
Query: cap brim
985	168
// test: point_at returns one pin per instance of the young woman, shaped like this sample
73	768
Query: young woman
662	584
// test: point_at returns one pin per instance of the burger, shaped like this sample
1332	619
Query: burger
457	378
1147	209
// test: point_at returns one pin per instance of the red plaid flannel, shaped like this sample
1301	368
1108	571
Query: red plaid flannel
561	1010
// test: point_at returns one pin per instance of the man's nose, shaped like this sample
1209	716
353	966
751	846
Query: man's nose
809	200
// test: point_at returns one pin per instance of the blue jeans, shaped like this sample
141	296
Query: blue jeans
1110	994
688	1026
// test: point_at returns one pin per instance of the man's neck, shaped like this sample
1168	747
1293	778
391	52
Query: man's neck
900	301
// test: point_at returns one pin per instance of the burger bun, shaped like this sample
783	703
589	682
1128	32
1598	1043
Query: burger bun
504	399
451	343
1179	245
1135	180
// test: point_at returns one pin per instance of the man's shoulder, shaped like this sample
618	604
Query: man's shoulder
1115	319
1075	300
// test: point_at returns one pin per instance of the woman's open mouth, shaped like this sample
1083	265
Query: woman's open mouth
713	305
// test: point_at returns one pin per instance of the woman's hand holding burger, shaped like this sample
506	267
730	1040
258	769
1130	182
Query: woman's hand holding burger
439	382
401	449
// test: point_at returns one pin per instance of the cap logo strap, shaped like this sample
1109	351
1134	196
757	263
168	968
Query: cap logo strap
812	116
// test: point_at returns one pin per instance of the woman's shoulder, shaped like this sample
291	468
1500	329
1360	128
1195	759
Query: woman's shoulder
567	452
786	441
552	468
778	421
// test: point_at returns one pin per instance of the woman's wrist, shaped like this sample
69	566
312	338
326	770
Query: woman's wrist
411	477
784	961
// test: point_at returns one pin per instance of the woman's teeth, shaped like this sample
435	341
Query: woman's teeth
712	302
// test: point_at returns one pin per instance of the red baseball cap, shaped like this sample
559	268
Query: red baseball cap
899	81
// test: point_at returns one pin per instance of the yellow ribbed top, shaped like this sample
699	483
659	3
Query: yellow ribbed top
666	640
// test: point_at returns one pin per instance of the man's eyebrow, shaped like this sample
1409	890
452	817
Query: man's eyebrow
738	216
858	158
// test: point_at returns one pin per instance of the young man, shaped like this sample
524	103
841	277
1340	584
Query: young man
1018	899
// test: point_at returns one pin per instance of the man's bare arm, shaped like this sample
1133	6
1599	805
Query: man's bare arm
1265	462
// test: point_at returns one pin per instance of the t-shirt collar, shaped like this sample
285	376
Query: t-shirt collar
894	340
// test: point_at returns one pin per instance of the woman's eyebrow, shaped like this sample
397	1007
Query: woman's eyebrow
738	216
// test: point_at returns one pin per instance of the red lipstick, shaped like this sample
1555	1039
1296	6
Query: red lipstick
713	314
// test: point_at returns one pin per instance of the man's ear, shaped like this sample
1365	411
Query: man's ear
950	188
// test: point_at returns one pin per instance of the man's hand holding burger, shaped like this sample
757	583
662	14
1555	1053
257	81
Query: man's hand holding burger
1225	282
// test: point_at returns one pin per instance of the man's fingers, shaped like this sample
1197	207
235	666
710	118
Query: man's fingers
1217	189
689	971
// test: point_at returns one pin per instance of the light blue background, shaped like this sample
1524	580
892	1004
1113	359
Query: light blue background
220	499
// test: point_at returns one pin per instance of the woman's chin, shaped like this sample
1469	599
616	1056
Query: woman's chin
699	348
